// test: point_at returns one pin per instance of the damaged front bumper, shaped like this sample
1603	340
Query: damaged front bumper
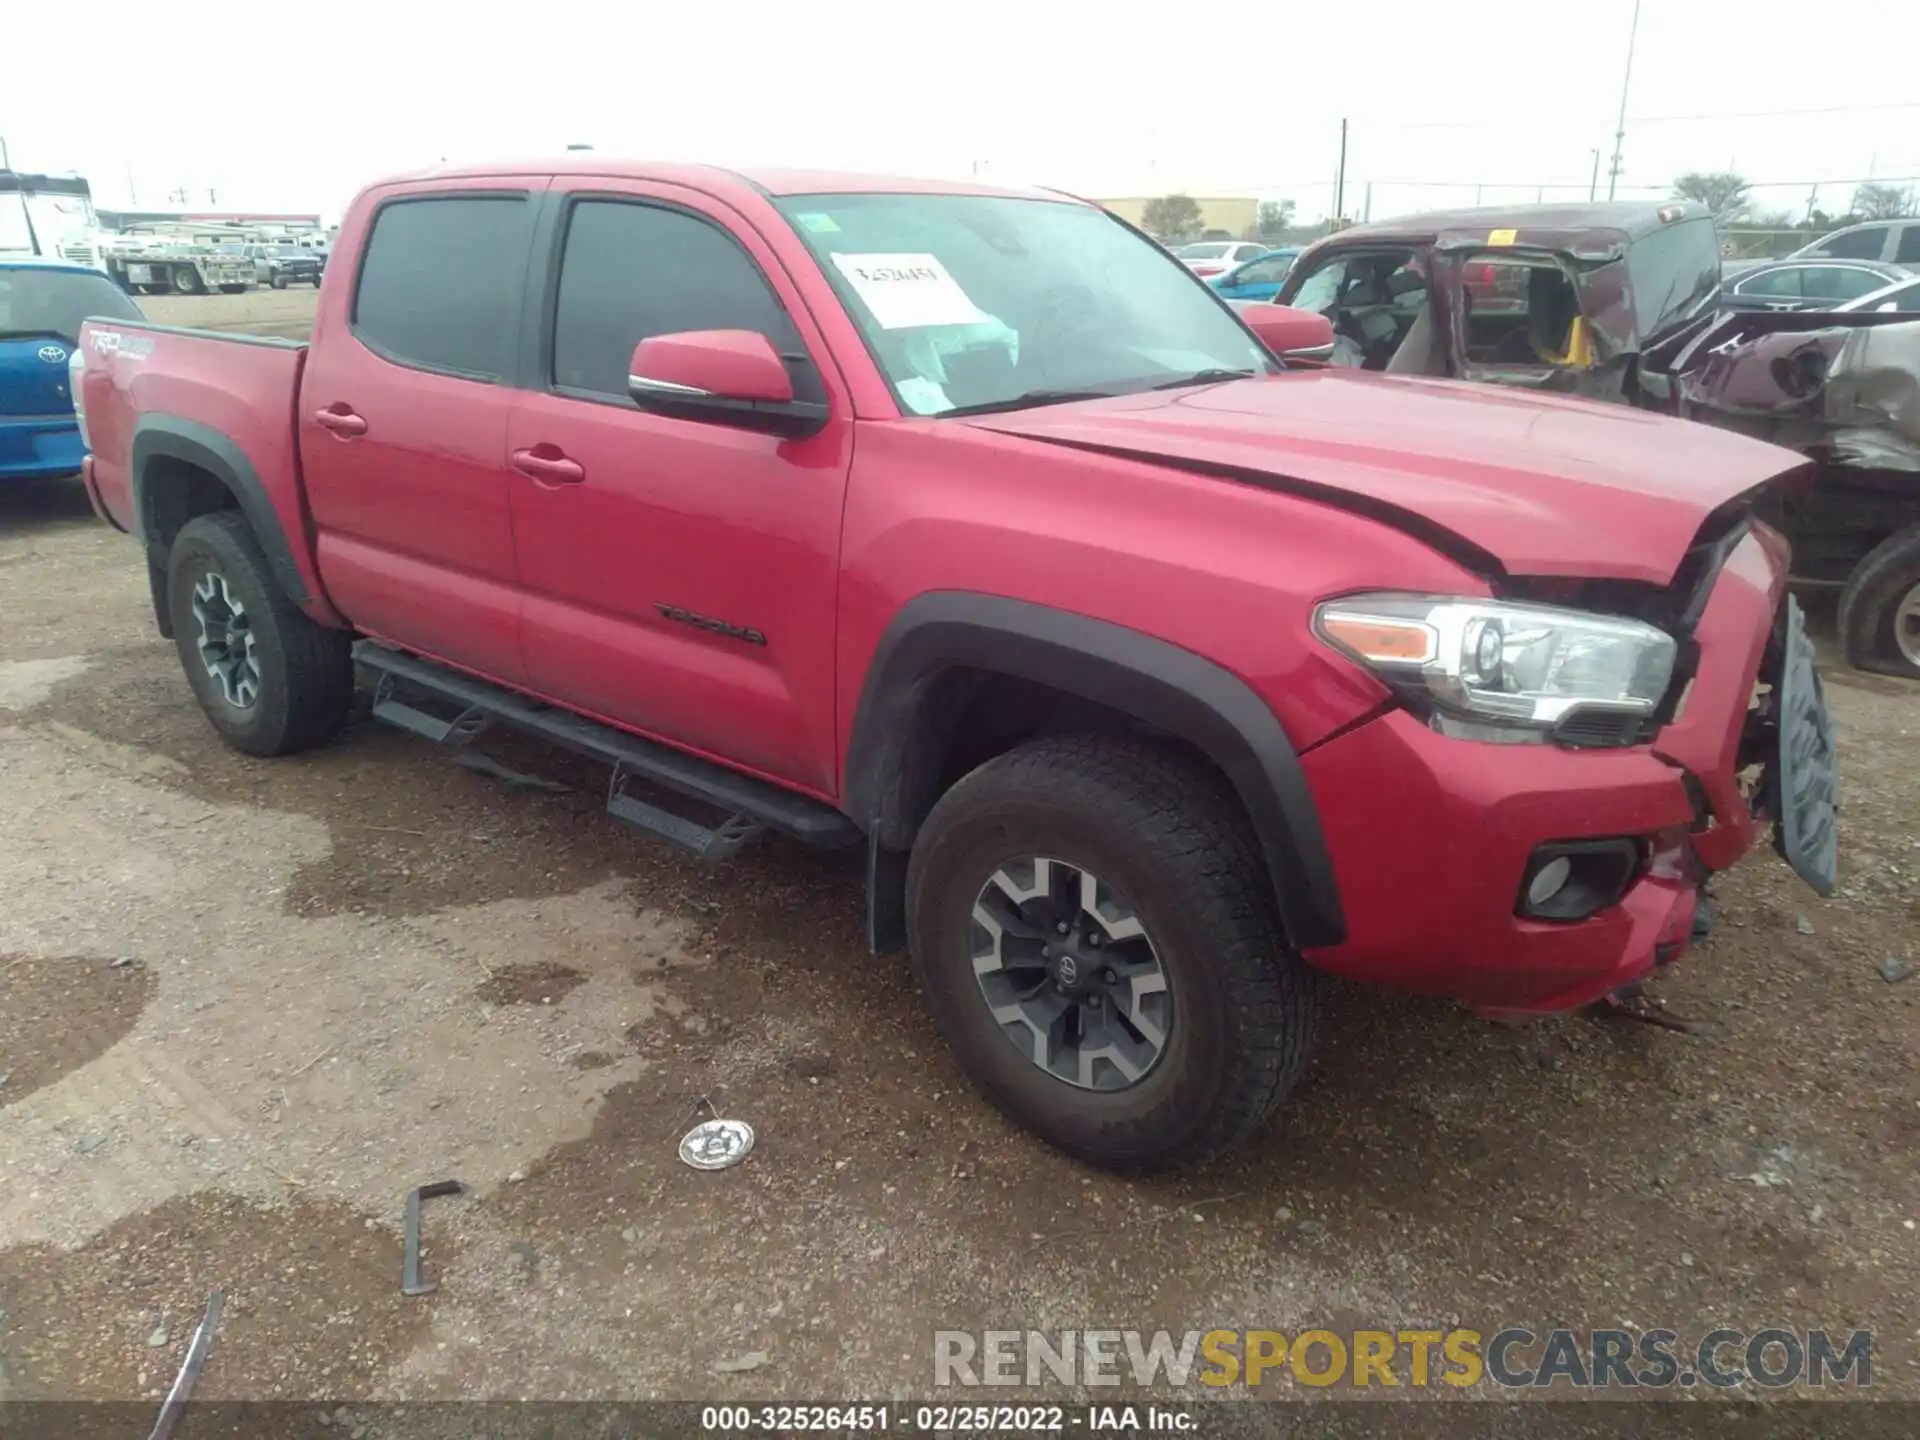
1434	885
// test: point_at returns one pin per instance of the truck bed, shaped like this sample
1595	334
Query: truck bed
223	402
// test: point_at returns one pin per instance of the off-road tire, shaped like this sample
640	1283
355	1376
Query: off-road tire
1871	601
306	670
1169	833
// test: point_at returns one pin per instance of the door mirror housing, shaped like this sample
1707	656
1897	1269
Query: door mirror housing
721	377
1291	334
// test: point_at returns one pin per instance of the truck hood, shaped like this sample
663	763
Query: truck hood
1506	480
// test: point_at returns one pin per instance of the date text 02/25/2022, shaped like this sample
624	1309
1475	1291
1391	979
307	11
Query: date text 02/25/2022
947	1419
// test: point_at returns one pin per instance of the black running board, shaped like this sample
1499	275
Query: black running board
406	683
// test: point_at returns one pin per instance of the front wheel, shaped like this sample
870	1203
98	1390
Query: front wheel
1098	942
1880	607
279	282
270	680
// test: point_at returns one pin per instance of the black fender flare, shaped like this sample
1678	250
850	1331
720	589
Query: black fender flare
156	435
890	788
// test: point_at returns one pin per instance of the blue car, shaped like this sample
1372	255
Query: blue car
42	303
1259	278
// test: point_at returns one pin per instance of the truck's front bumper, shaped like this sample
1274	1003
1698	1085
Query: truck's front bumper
1432	837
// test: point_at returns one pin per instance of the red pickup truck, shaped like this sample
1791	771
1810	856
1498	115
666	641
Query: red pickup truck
1155	671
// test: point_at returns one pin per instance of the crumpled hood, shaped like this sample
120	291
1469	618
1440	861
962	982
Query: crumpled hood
1538	484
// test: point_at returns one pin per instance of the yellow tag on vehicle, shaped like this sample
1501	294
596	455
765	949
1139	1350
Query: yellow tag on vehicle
1502	237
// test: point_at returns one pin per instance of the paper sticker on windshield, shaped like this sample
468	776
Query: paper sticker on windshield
1502	237
906	292
818	222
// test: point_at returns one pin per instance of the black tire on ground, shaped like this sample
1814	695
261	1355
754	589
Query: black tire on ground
316	282
1168	833
187	281
305	670
279	282
1881	585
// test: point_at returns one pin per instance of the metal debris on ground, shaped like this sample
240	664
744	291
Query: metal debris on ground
716	1144
483	764
190	1367
411	1282
752	1360
1891	970
1803	925
1638	1006
127	962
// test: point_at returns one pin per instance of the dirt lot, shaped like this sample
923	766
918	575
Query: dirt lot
245	1006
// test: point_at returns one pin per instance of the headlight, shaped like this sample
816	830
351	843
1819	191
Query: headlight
1518	668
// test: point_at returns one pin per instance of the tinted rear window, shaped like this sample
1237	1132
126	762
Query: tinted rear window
36	301
1909	251
440	285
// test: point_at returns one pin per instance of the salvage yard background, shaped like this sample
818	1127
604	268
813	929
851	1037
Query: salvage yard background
246	1006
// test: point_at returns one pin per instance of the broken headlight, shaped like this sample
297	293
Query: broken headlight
1498	671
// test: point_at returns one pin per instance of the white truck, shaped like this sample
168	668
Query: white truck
53	215
155	262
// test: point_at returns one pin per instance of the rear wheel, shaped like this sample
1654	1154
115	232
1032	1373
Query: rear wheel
1880	607
1096	936
270	680
187	281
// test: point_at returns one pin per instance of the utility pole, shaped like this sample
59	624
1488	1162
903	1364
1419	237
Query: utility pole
5	163
1626	83
1366	208
1593	185
1340	177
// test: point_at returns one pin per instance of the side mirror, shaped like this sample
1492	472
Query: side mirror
721	377
1291	334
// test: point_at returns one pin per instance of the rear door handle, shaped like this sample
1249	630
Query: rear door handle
546	464
342	422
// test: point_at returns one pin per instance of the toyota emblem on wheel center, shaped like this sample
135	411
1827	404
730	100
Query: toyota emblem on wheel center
53	354
716	1144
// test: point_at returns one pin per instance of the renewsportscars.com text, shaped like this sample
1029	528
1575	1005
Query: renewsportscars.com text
1511	1358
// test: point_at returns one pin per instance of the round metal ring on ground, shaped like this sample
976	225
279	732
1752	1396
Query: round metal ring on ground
1070	974
717	1144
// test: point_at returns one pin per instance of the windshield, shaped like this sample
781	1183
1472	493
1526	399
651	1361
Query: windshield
977	302
37	301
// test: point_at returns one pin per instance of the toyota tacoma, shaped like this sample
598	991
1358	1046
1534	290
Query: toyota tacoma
1156	670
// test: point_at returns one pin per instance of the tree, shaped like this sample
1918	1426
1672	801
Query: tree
1721	191
1276	216
1171	216
1882	202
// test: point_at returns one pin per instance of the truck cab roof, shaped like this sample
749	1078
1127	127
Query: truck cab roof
716	179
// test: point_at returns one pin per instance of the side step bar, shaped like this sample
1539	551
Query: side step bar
749	806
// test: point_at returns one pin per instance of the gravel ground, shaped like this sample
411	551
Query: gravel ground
246	1006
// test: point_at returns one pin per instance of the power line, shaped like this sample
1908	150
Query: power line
1507	122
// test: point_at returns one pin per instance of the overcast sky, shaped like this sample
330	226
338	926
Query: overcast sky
292	106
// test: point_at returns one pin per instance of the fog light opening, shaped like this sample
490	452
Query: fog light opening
1571	880
1548	881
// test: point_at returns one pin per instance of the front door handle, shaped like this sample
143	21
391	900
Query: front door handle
341	421
546	464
